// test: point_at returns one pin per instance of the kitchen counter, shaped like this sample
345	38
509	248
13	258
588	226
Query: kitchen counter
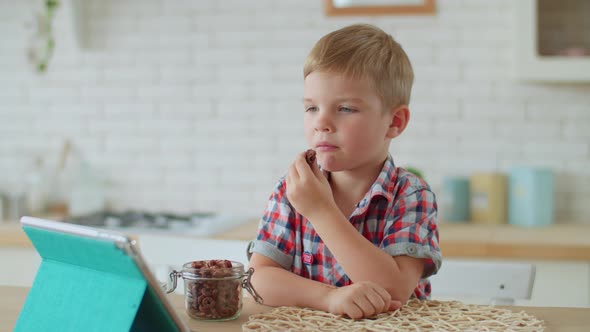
556	319
565	242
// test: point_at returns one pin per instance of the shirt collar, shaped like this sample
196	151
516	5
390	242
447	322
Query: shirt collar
381	186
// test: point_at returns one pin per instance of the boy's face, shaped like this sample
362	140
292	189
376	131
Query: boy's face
344	121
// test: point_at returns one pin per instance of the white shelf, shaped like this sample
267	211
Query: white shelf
533	67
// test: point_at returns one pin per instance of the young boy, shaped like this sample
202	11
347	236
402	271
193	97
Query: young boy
355	235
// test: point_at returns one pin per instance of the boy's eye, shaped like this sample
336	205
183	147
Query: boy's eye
310	109
346	109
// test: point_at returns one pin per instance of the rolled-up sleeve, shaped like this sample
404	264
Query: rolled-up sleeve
276	235
411	229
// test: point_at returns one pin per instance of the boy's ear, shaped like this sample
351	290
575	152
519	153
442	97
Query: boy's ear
399	118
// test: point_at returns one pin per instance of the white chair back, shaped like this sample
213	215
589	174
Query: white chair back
500	282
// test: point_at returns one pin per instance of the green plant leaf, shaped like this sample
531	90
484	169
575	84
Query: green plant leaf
415	171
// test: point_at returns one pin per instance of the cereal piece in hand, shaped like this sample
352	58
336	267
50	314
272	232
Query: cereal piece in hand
310	156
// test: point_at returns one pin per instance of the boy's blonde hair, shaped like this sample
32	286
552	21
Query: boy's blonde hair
363	51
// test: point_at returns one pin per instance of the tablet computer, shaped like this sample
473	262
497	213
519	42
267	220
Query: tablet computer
93	280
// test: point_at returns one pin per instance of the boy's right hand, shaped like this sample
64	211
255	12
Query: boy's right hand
308	190
361	300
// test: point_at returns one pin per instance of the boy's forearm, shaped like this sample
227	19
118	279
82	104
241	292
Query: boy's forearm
279	287
351	250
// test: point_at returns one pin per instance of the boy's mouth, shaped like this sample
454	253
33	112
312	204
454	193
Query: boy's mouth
325	147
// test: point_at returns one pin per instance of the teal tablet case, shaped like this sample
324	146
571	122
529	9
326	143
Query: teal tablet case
86	284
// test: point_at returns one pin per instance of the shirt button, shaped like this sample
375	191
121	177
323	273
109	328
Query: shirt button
411	250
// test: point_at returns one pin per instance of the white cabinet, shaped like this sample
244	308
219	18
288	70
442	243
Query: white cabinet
560	284
545	30
556	284
176	250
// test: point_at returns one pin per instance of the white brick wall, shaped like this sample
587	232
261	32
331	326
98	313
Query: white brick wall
195	105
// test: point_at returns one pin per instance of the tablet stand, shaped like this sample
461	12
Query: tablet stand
85	284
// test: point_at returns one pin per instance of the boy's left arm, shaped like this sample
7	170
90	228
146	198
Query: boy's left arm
388	266
363	261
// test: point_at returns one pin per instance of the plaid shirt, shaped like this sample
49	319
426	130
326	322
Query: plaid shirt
397	214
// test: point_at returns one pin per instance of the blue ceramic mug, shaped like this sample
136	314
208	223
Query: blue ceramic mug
455	199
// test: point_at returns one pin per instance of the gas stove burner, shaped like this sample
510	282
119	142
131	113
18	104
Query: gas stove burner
133	221
138	219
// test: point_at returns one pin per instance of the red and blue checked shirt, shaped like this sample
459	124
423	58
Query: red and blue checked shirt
398	214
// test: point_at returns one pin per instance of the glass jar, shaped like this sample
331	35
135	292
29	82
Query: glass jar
213	288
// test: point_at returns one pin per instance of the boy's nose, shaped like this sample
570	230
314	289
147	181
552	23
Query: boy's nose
323	122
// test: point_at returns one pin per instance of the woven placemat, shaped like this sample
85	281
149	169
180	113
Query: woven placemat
415	315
